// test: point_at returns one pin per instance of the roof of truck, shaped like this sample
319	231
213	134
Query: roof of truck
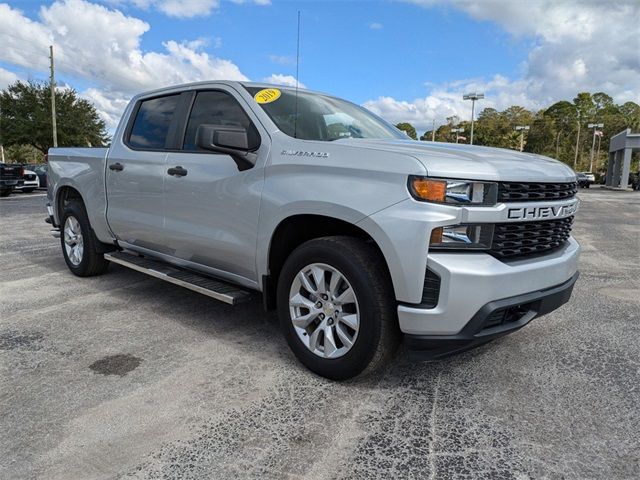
232	83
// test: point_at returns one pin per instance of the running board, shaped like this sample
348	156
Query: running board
218	289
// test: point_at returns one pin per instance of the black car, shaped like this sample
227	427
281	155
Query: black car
10	178
585	179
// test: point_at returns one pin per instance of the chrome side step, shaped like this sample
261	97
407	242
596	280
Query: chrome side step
218	289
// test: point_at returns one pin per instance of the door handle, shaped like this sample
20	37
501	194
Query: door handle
116	167
177	171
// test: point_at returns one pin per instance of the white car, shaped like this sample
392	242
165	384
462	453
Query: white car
31	182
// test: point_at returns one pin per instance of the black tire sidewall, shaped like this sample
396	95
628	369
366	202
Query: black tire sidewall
364	348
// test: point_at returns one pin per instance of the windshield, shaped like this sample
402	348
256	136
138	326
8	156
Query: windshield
320	117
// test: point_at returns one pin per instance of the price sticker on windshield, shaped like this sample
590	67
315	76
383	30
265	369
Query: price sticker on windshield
267	95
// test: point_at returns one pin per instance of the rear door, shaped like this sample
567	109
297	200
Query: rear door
136	172
211	211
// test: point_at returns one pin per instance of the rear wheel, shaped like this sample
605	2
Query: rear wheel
336	307
79	245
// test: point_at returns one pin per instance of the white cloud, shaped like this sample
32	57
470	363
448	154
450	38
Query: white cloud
578	46
102	46
189	8
6	78
287	80
376	26
283	59
445	100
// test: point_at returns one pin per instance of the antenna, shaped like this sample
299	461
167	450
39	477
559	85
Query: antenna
295	118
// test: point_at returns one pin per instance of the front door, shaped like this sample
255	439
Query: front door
136	173
211	205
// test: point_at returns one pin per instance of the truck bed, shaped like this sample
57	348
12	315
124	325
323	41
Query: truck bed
83	170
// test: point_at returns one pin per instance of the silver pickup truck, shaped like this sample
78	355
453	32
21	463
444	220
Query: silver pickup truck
356	234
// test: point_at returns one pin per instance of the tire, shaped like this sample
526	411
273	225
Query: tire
363	269
5	192
27	190
587	185
87	261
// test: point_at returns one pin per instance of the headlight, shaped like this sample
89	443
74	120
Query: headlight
475	237
454	192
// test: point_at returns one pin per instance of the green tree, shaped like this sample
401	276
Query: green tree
25	109
23	154
408	129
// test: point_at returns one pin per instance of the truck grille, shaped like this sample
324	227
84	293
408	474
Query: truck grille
529	238
532	192
507	315
10	173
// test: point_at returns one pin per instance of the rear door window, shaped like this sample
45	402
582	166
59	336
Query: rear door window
152	122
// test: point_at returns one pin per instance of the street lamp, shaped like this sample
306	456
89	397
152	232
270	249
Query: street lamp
521	129
595	127
457	131
473	97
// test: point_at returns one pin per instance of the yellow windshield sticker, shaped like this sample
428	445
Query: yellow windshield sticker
267	95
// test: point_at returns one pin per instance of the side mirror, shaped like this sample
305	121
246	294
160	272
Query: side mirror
223	138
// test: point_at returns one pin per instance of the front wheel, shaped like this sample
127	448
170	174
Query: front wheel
5	192
79	244
336	307
27	190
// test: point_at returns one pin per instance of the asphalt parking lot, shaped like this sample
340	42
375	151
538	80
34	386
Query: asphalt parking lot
125	376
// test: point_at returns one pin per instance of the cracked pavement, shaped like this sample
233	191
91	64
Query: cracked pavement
125	376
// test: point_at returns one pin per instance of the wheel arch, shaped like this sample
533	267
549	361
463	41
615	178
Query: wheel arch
63	195
293	231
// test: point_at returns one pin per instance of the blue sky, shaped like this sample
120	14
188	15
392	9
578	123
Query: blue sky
407	60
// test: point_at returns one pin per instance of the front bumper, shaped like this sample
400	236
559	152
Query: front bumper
10	183
493	320
469	281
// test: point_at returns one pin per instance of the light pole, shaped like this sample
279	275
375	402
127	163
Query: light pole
521	129
457	131
595	127
433	131
473	97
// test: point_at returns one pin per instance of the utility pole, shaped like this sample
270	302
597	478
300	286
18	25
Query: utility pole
521	129
1	144
575	160
473	97
595	127
457	131
433	131
52	81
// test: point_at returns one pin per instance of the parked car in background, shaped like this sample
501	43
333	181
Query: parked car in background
586	179
30	181
10	178
41	171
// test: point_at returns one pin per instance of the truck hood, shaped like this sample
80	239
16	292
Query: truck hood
474	162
